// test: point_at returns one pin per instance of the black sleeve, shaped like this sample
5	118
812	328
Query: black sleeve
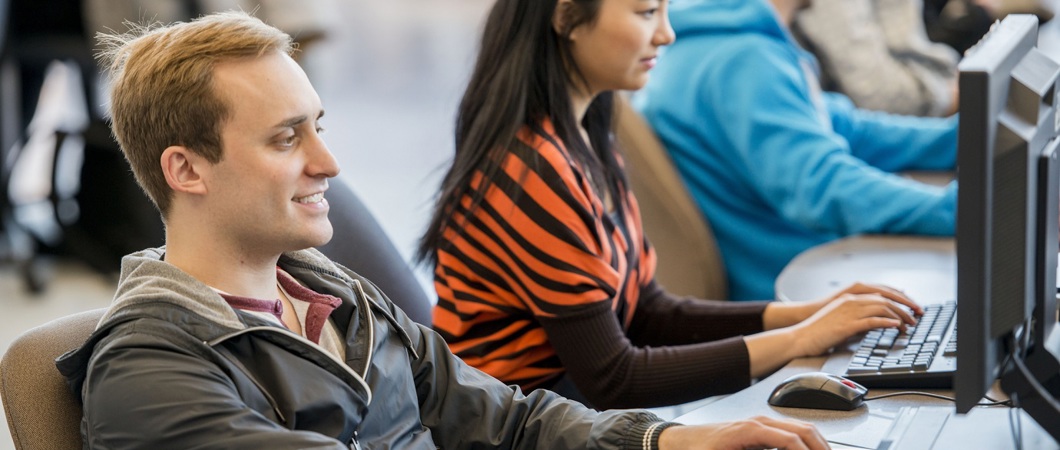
664	319
611	372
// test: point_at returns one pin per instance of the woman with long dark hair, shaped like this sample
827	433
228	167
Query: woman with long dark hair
544	276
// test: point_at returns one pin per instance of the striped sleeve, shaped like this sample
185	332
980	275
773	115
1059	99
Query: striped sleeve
537	246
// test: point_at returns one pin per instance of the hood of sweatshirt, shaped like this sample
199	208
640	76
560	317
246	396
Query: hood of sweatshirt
691	18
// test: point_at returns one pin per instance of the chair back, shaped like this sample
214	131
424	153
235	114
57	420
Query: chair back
688	258
362	245
41	411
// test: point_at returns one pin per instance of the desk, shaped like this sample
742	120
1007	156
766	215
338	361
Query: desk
926	269
983	428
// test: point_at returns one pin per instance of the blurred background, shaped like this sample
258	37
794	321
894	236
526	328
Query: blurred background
390	75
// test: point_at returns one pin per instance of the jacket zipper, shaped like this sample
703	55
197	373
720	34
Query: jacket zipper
355	444
371	326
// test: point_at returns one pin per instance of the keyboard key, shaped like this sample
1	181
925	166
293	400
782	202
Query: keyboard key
860	370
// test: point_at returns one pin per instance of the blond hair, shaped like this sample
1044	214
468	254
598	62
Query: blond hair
161	91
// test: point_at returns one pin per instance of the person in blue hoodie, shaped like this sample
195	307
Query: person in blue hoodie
776	165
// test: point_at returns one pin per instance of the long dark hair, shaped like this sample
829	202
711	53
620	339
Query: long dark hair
522	76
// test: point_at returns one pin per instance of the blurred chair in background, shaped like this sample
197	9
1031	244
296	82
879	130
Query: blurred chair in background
360	244
42	116
688	259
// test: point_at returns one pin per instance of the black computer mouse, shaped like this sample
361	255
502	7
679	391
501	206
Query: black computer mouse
818	390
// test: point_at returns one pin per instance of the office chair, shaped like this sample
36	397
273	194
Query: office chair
41	411
34	34
361	244
688	258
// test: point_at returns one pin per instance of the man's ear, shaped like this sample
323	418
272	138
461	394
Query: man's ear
184	169
561	19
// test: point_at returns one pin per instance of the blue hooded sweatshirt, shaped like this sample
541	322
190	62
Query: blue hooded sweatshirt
776	165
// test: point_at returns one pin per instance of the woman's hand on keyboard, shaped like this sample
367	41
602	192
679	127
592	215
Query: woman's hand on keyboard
800	329
885	291
854	310
780	315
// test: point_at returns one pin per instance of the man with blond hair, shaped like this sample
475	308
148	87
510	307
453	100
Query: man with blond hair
238	335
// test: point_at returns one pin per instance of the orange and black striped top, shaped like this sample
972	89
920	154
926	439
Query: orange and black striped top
543	281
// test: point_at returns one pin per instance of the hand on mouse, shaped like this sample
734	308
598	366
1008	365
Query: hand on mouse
757	432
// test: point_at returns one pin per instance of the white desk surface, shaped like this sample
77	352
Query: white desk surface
926	269
983	428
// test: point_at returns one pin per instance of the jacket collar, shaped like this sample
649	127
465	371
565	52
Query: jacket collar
147	279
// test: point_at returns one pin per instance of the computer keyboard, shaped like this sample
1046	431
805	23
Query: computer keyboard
924	356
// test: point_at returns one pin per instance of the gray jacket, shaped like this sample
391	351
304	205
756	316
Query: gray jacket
171	365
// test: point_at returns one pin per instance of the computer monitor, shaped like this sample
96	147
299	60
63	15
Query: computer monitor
1008	209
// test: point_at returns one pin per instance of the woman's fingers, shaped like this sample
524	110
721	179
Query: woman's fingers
876	304
887	292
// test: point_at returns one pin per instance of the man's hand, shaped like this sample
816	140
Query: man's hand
757	432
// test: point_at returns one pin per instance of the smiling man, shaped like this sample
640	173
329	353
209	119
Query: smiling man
235	336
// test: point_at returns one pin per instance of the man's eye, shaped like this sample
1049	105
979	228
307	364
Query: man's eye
289	140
